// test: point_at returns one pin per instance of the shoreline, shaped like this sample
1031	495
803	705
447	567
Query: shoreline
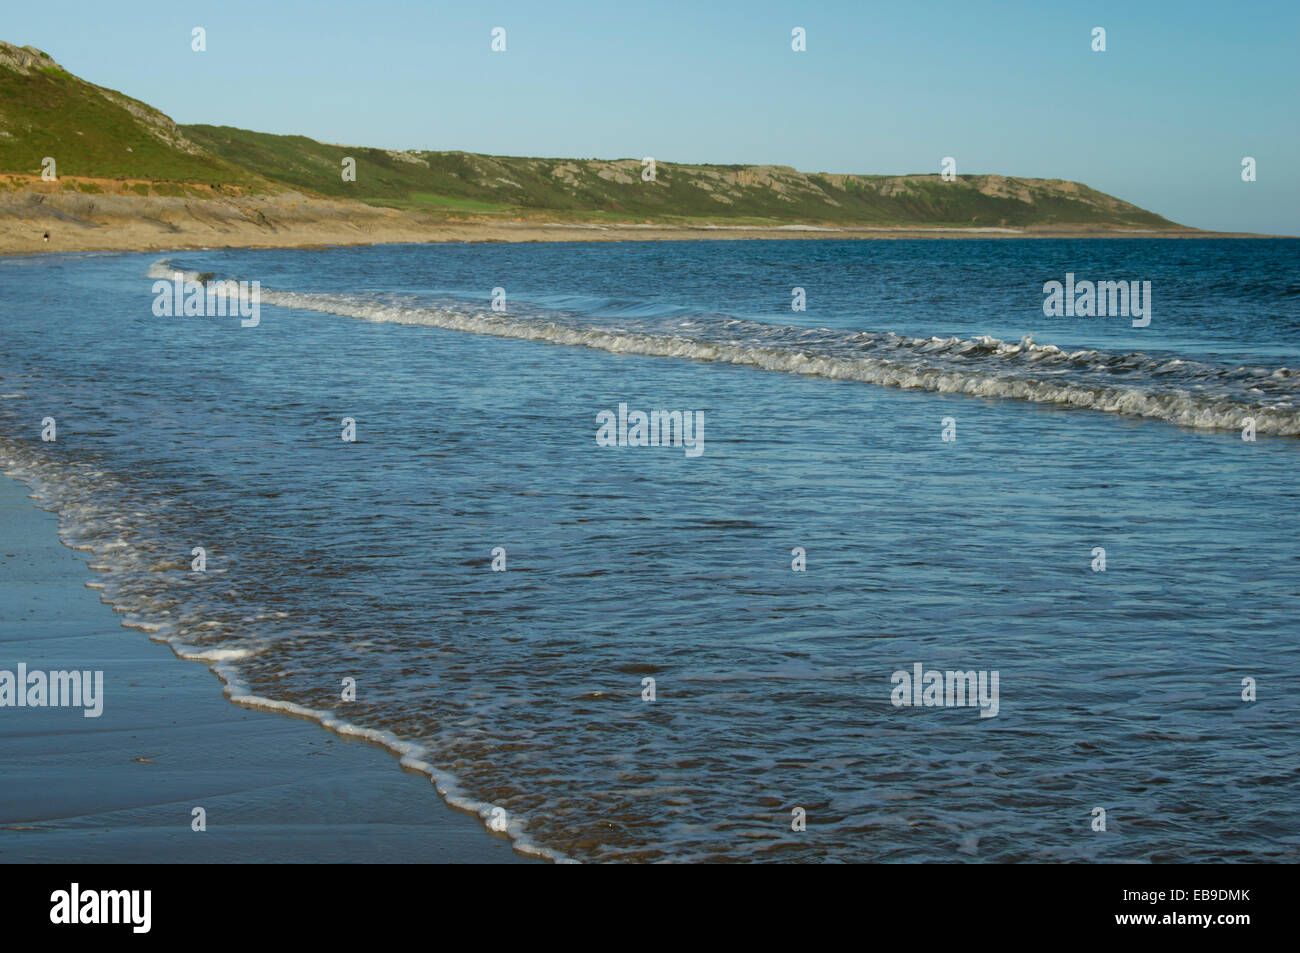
77	222
121	787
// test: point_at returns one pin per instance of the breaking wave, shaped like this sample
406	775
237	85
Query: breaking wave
1189	393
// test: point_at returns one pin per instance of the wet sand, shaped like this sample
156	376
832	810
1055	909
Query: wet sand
121	787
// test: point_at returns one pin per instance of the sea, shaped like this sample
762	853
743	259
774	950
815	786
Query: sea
416	499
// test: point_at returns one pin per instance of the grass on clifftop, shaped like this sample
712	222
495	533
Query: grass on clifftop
93	132
97	133
468	184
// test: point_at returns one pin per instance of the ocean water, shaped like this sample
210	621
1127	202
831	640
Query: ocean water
521	692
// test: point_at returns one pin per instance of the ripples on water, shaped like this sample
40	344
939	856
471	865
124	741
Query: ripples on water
523	689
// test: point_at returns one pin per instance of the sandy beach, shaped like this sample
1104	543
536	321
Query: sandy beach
116	222
122	787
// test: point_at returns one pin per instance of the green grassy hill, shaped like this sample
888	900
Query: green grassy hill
95	132
599	189
99	133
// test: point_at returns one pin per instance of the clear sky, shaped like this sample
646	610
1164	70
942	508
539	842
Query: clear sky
1163	118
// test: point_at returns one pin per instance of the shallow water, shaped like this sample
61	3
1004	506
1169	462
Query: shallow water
522	690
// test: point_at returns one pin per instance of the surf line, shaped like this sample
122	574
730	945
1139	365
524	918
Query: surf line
211	299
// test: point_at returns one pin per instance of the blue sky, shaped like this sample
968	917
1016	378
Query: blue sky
1163	118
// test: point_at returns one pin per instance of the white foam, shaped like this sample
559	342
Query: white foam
411	756
1187	393
60	486
212	655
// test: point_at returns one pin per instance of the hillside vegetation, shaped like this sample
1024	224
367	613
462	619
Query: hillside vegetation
94	132
103	140
614	188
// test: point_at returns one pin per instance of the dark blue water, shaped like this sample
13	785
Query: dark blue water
523	690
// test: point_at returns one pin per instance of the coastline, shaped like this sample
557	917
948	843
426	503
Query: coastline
77	222
121	787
